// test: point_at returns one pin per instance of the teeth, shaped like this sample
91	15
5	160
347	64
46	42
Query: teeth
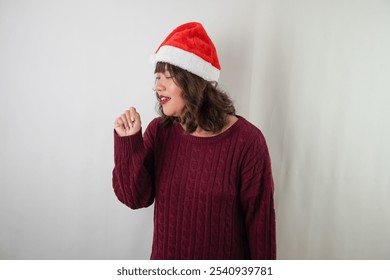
164	98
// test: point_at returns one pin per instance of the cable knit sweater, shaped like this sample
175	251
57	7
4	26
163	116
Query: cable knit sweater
213	196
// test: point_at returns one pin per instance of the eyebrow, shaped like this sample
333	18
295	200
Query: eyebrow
165	72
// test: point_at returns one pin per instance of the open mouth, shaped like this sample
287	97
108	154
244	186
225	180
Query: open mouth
164	99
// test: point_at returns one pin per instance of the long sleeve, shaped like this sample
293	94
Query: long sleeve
257	201
132	177
213	195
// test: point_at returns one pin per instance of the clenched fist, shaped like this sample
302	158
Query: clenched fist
129	123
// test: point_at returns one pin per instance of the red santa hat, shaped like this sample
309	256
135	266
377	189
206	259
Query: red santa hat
189	47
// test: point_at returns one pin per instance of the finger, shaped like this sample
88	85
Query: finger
125	121
137	119
128	119
133	114
118	122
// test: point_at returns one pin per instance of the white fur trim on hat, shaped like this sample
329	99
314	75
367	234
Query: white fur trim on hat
187	61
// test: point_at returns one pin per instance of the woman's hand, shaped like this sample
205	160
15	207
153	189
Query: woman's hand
129	123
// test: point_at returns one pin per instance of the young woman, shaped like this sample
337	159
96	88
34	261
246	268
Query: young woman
207	170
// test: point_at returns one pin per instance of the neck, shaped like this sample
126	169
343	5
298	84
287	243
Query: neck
200	132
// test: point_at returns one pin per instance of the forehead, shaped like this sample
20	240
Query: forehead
162	67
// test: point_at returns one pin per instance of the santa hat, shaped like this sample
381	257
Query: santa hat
190	48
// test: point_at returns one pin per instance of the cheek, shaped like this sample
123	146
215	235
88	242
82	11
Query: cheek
181	99
176	92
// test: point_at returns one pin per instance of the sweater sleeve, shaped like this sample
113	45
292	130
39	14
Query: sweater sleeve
133	176
257	201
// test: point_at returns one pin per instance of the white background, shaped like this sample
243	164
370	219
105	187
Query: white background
313	75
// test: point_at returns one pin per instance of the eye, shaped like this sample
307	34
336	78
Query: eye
167	75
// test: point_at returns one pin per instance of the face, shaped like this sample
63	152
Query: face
170	95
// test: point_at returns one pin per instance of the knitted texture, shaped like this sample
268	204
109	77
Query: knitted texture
213	196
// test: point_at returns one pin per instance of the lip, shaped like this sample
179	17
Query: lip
164	99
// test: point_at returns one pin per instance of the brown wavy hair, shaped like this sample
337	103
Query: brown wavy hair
206	105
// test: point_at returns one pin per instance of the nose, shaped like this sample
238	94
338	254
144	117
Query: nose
160	86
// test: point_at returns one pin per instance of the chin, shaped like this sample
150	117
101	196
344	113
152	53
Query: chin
172	113
168	114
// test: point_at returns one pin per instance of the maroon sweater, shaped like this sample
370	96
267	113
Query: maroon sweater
213	196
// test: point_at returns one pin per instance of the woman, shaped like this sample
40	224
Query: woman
207	170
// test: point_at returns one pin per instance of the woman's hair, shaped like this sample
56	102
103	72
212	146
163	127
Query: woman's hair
206	105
